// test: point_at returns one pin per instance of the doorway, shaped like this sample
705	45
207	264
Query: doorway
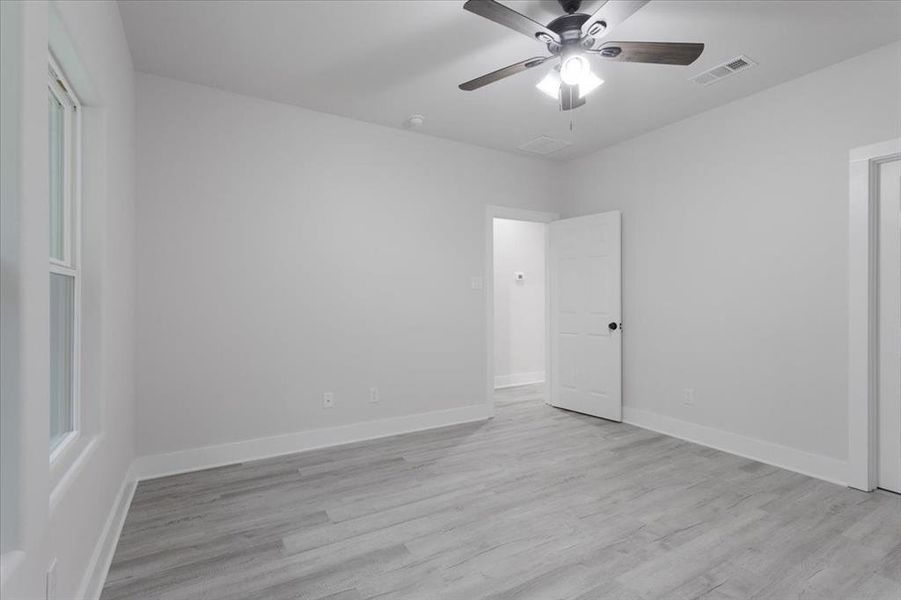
516	303
575	264
519	303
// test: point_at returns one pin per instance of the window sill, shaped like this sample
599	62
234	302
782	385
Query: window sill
63	448
68	464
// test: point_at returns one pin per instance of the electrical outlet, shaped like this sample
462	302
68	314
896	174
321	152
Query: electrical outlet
328	400
51	581
688	397
373	394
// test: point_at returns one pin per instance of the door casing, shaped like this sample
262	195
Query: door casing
863	353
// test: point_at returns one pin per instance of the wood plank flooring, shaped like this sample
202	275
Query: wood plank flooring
537	503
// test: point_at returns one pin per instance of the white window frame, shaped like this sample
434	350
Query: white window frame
70	265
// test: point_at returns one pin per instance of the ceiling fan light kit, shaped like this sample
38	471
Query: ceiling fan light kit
573	38
573	68
551	82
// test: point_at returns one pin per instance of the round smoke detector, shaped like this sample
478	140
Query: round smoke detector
414	121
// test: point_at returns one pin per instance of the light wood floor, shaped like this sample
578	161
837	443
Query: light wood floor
537	503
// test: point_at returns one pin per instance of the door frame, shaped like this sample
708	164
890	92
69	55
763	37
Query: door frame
863	323
517	214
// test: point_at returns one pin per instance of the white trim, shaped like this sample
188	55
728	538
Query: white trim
98	567
515	379
62	447
879	152
518	214
806	463
194	459
65	467
862	314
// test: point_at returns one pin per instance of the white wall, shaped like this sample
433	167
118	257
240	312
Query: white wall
283	253
60	516
11	97
735	254
519	311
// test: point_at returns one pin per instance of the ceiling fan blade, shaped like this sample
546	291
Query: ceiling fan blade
502	15
570	97
660	53
611	14
513	69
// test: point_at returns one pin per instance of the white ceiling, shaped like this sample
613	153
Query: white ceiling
382	60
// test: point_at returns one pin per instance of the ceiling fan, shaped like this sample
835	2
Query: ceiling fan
573	38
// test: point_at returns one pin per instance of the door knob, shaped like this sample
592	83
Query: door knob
612	326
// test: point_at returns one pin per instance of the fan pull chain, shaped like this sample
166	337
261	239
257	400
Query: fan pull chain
572	113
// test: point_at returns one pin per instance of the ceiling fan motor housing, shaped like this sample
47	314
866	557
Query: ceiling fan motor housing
568	26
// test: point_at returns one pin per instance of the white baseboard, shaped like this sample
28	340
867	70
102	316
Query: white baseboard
95	575
514	379
194	459
806	463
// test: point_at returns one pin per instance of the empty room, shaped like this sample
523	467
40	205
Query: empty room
450	300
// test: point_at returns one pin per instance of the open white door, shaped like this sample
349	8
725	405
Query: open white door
584	279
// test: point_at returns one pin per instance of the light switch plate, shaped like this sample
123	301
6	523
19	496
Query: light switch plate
475	283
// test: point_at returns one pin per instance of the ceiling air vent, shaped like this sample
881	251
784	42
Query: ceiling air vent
544	145
739	63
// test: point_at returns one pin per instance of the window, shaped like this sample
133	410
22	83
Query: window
65	277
